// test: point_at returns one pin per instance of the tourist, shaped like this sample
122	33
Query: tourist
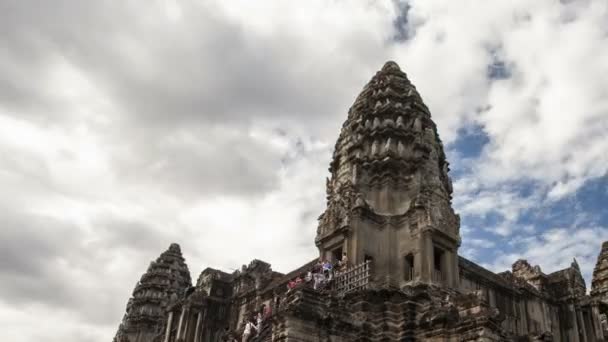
259	320
247	332
267	312
327	270
319	280
308	277
299	281
318	267
343	263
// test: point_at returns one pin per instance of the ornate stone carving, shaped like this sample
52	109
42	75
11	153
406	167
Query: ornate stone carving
165	278
340	204
599	283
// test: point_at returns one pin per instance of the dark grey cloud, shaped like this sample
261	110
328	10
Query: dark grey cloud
403	28
42	256
200	77
30	245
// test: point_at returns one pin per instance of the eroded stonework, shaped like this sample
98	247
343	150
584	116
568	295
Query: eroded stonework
389	209
166	280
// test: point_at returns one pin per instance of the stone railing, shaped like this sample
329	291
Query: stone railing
355	278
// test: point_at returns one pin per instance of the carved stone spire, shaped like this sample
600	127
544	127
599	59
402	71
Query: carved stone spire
389	161
387	136
166	277
599	282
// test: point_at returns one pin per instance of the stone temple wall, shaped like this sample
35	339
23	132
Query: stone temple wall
487	307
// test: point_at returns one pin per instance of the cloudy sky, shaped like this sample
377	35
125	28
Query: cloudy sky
128	125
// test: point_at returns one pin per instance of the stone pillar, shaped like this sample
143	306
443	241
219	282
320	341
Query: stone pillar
197	331
169	322
186	324
573	332
428	255
180	325
392	257
581	326
183	324
418	264
424	258
597	323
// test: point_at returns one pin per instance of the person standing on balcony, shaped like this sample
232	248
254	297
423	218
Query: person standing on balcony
327	270
267	312
343	262
247	332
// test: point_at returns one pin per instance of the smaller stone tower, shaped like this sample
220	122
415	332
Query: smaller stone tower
599	283
167	277
389	196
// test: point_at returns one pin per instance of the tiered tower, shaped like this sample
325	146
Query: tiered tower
389	196
166	278
599	283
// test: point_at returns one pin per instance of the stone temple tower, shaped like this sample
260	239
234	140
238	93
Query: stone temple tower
389	195
599	283
166	279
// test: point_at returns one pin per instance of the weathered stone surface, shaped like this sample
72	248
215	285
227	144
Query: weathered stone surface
599	283
167	278
389	193
389	209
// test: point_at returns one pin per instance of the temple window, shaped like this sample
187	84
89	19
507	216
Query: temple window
438	255
337	254
409	267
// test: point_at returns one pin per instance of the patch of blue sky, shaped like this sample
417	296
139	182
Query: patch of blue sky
470	141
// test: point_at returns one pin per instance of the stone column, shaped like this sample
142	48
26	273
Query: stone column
180	325
183	324
186	323
428	255
573	332
597	323
169	322
581	324
392	256
197	331
418	273
425	257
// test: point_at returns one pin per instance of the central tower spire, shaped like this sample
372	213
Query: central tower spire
389	195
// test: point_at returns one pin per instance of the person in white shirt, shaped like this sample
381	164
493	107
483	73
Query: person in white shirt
343	263
247	332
